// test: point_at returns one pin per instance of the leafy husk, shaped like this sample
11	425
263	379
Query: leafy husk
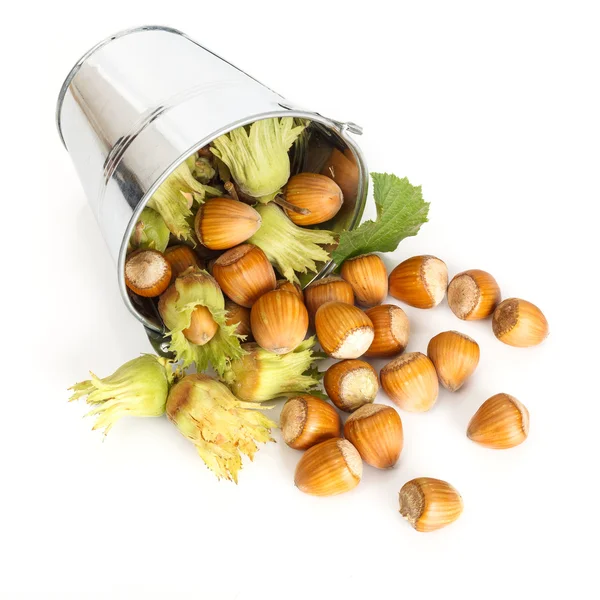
220	426
138	388
261	375
257	155
291	249
203	170
150	232
174	199
191	289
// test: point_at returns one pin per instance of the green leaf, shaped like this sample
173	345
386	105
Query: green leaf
401	211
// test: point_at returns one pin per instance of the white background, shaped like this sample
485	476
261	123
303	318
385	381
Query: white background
492	107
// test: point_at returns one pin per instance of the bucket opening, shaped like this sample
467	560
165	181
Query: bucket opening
321	148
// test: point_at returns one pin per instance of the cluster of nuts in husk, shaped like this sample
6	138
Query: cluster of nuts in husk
373	433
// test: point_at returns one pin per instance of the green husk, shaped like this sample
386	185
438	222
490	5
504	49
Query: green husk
203	170
257	156
290	248
176	196
138	388
150	232
220	426
261	375
222	170
198	288
301	144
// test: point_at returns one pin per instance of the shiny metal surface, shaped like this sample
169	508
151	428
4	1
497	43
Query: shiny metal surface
141	101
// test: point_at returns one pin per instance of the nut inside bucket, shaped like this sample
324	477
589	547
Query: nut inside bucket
316	150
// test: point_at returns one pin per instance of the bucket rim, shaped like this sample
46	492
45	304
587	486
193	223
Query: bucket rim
340	129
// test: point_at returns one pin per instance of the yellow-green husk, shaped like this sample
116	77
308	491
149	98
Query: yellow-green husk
176	196
139	388
191	289
261	375
257	155
220	426
291	249
150	232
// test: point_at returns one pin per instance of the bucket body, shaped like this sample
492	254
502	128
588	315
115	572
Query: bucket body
140	102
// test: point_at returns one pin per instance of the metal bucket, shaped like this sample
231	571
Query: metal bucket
140	102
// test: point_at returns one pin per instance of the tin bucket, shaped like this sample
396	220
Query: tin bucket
143	100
